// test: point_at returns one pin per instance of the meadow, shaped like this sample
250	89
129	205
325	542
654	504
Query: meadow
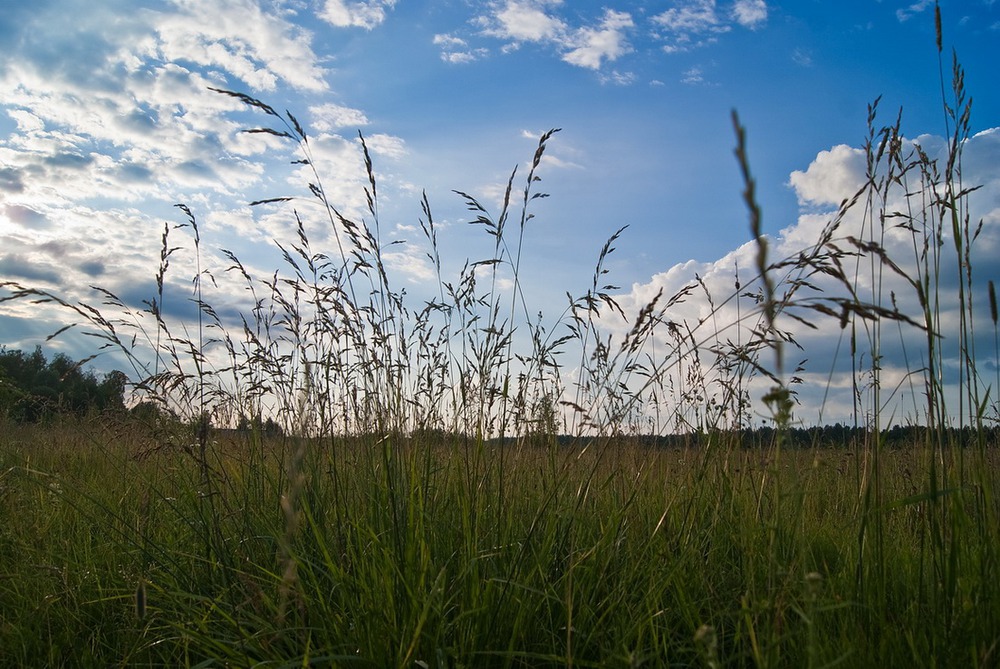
339	477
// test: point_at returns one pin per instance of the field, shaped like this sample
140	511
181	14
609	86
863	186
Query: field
337	476
417	552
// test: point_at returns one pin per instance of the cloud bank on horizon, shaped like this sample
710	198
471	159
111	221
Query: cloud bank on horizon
833	178
108	120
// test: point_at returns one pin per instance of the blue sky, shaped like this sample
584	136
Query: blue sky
106	122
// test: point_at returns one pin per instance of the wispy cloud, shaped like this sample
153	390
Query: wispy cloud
618	78
456	50
693	16
693	76
909	12
802	57
697	23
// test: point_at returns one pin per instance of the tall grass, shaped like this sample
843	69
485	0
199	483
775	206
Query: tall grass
444	491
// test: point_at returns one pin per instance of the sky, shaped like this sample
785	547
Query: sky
107	121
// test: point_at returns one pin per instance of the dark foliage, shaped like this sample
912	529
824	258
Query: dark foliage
33	388
267	428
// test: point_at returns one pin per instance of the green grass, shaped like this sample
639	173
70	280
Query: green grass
423	485
617	556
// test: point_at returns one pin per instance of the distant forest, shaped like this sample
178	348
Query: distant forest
33	388
822	436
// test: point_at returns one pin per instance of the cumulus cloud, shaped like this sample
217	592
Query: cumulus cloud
591	46
596	42
367	14
750	13
329	116
411	263
449	41
525	22
389	146
462	57
131	112
242	40
16	266
834	175
536	21
112	121
11	180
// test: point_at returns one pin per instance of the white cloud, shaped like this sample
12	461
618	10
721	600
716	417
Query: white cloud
697	23
912	10
456	50
534	21
26	121
592	45
693	76
242	40
552	161
832	176
131	112
411	263
462	57
618	78
82	249
366	14
449	41
328	117
386	145
692	16
750	13
802	57
115	123
526	22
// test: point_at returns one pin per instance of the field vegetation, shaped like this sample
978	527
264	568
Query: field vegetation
335	476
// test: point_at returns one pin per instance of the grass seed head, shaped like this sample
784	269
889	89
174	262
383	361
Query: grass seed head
993	303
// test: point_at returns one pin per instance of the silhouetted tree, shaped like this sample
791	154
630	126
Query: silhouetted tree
33	388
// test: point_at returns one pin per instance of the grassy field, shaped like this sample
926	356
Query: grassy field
338	476
409	552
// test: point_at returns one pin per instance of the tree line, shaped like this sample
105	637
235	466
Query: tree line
34	388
